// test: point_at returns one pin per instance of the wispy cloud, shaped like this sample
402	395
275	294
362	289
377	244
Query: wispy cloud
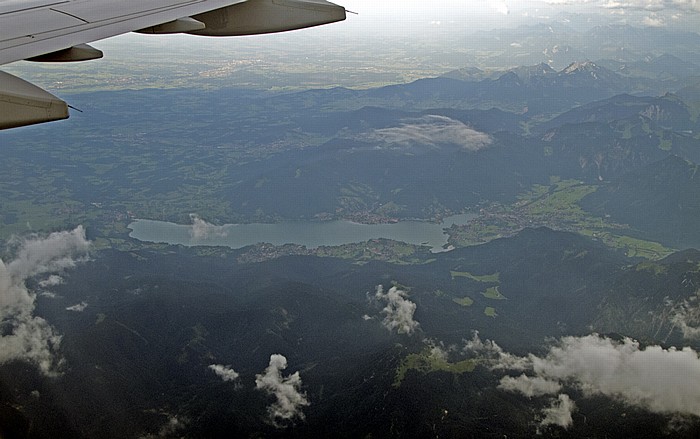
654	21
398	312
173	425
686	317
432	131
170	429
51	281
636	5
529	386
224	372
438	350
646	5
79	307
289	400
687	5
26	337
649	13
203	230
493	355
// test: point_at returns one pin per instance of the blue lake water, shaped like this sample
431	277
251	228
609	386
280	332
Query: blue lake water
311	234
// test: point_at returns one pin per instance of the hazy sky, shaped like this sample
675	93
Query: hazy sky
418	20
409	26
483	14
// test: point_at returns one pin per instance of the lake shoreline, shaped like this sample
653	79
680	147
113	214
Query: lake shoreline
311	234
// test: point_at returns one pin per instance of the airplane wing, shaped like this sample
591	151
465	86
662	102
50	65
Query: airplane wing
59	30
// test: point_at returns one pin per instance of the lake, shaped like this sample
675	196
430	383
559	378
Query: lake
311	234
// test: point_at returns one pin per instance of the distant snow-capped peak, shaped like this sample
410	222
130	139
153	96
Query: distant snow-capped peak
585	66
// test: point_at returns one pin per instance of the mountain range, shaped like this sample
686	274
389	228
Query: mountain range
128	373
513	336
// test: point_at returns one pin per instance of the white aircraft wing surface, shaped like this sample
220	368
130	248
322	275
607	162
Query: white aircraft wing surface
59	30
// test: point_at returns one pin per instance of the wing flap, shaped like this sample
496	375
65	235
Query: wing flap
29	25
96	11
58	27
268	16
32	28
12	6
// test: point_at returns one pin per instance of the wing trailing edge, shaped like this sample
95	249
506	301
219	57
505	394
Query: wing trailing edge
23	103
268	16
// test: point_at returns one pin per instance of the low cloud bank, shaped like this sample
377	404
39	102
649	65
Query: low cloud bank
433	131
26	337
653	5
289	400
665	381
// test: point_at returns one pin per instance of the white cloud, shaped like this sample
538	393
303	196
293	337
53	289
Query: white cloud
499	6
224	372
493	356
203	230
51	254
660	380
665	381
559	413
80	307
438	352
642	5
417	9
33	340
289	401
646	5
653	21
27	337
530	386
661	9
433	131
687	5
51	281
398	312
